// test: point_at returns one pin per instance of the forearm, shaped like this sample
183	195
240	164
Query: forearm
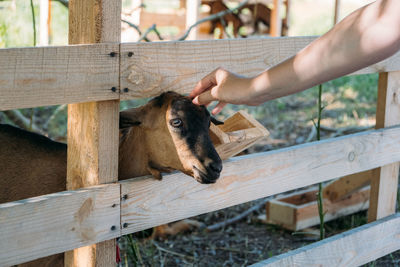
367	36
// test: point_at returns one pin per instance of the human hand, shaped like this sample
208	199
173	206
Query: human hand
225	87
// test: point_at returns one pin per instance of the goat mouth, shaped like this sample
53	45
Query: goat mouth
204	178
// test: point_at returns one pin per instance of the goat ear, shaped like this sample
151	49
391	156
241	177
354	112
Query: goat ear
126	120
215	121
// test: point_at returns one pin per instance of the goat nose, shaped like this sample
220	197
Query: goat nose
216	166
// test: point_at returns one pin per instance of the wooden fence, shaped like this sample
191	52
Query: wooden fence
108	72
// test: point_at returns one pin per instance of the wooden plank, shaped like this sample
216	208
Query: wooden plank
351	183
287	18
44	7
385	181
238	142
276	21
49	224
101	22
347	185
177	196
59	75
281	213
93	127
92	159
352	248
43	76
238	132
336	14
303	208
192	15
178	66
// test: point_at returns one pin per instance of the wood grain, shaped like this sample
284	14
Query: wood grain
92	144
48	221
43	76
94	21
163	66
59	75
177	196
93	127
347	185
49	224
299	210
281	213
352	248
238	132
385	179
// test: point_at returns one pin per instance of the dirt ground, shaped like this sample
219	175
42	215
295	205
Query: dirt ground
239	244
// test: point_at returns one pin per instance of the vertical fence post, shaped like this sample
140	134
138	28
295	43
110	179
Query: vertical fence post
285	32
43	22
192	15
276	20
93	127
336	14
385	179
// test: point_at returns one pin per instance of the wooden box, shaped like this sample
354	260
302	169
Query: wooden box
299	210
238	132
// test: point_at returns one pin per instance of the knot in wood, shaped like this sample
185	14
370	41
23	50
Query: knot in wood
136	75
396	97
351	156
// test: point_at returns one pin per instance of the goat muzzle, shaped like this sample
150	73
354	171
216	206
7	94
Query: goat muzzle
210	174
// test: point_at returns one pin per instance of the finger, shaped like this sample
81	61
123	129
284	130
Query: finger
204	84
217	109
196	101
204	99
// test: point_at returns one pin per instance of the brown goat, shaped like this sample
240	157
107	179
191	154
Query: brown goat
218	6
262	13
168	133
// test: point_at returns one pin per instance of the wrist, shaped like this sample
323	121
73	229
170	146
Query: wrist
260	88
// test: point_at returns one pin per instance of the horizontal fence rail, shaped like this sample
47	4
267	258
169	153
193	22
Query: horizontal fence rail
148	69
352	248
54	223
50	224
148	203
41	76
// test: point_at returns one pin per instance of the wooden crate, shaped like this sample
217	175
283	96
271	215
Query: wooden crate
238	132
299	210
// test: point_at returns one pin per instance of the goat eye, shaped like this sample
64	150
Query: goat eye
176	123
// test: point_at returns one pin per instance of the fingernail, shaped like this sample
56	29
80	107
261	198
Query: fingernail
196	100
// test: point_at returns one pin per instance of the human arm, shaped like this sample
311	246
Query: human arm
368	35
